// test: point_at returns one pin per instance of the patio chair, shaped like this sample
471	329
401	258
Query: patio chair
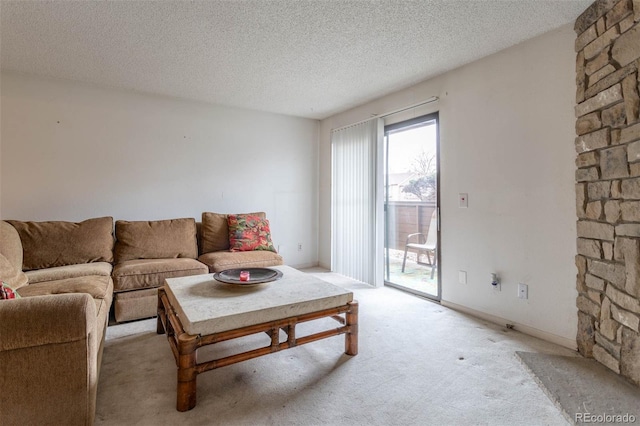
426	244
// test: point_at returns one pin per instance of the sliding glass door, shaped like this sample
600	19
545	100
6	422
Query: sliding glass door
411	248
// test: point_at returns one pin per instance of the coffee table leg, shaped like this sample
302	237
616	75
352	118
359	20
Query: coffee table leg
161	313
351	338
187	373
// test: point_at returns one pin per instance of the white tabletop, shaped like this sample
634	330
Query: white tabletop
206	306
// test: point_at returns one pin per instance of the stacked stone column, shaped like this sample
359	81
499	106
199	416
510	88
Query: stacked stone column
608	184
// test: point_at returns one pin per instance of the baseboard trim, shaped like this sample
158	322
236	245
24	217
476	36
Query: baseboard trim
531	331
304	265
322	265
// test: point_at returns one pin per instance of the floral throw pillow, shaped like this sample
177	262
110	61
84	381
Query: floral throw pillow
249	232
7	292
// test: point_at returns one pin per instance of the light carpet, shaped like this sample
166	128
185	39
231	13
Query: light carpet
418	364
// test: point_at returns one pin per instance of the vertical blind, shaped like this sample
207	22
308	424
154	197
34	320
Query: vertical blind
356	203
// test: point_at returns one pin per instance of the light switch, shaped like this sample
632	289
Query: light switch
463	200
523	291
462	277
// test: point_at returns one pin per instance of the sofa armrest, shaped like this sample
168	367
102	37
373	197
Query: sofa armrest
43	320
48	359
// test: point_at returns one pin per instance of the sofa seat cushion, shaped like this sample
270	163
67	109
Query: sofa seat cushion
220	260
57	243
100	287
97	286
69	271
149	273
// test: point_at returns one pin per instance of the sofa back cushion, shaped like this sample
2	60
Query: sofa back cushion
215	231
156	239
58	243
10	245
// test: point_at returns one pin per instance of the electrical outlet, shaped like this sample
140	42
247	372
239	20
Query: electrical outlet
523	291
495	282
299	246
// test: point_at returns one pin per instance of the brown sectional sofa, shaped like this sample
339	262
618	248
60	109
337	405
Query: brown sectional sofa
214	244
68	275
148	252
51	339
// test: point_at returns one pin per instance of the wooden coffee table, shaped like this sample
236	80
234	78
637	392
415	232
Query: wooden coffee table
197	311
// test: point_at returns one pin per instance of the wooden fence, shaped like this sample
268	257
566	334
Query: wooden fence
407	217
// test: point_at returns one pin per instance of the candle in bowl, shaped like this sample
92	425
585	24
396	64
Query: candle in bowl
244	275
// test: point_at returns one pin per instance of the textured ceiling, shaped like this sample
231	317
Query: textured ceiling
295	57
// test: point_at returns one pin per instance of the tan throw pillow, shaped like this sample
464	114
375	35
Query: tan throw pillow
215	231
156	239
11	275
10	245
58	243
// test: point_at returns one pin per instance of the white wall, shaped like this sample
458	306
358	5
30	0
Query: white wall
71	152
507	131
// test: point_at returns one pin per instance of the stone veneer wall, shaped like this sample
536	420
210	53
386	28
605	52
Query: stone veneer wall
608	184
